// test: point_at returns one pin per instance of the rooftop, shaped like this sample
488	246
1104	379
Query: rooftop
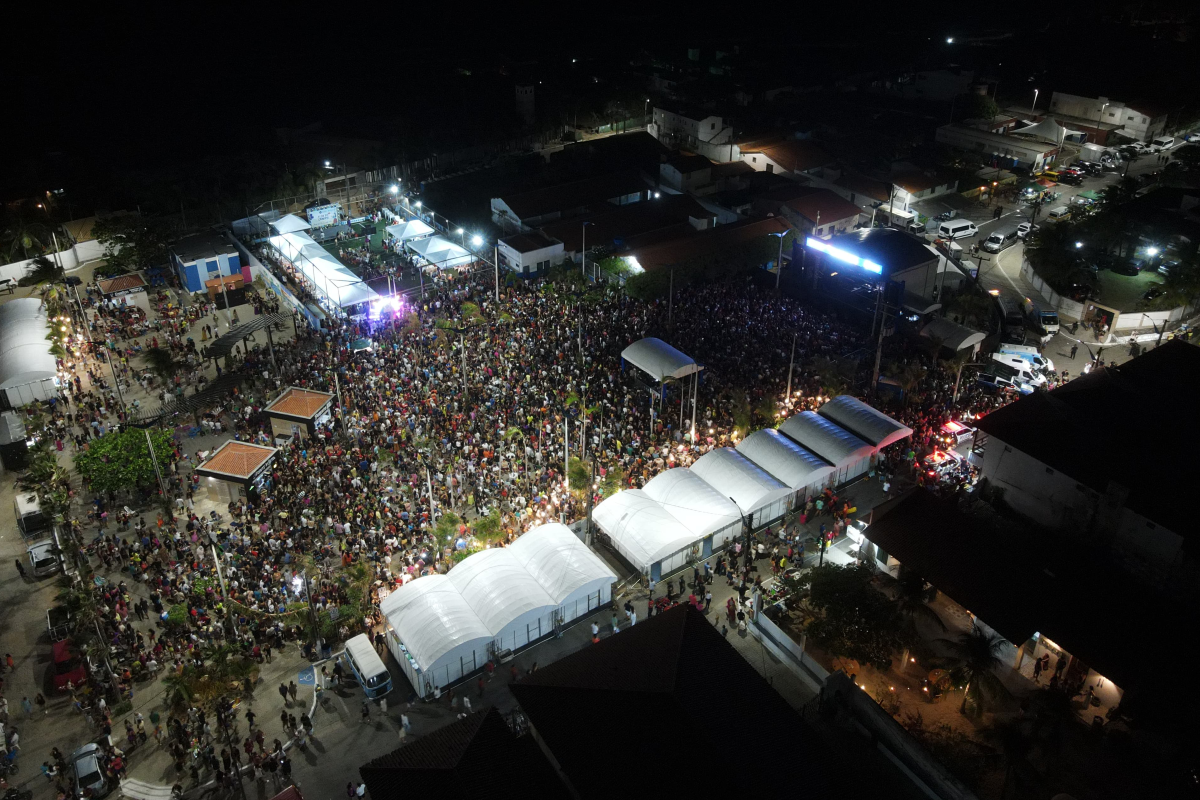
208	244
619	225
894	250
529	242
122	283
568	196
794	155
1085	429
913	181
239	460
302	403
824	205
691	163
697	243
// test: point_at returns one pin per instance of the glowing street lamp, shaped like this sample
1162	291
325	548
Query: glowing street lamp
395	189
1151	251
477	240
1078	245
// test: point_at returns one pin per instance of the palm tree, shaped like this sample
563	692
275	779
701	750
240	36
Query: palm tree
908	376
42	271
974	658
835	375
912	596
162	363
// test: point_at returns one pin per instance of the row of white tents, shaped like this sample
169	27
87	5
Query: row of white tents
328	275
442	628
419	238
689	513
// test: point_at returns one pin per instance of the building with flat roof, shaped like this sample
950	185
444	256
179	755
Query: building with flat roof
298	412
911	270
684	127
201	256
234	468
1140	121
530	254
1001	151
522	210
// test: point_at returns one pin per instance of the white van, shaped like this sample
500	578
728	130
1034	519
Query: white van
1024	370
1060	213
957	228
1164	142
1001	238
30	518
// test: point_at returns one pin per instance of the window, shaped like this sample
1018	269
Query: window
770	167
712	126
1143	120
754	159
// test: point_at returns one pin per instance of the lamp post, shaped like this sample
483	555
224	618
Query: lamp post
1034	106
791	364
1100	121
463	234
779	263
583	252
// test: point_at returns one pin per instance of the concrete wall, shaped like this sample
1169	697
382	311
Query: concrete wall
71	258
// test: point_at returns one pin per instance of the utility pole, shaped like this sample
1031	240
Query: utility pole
879	344
566	454
162	487
587	534
791	364
496	263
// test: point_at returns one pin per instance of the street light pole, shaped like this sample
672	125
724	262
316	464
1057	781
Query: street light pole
791	364
1034	106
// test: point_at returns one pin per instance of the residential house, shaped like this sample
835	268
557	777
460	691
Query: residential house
821	212
912	184
529	254
788	157
688	174
662	254
685	127
1140	121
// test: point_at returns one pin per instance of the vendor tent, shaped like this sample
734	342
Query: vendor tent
27	370
952	335
411	229
645	533
289	223
434	635
440	252
802	470
509	601
759	496
574	577
701	508
849	454
659	360
865	422
328	275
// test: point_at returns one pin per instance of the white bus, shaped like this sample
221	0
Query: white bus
367	667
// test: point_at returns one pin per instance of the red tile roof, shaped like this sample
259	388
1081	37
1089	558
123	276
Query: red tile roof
237	459
824	205
303	403
121	283
793	155
684	248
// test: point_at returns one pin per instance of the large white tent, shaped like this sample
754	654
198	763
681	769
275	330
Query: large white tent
802	470
873	427
440	252
652	540
326	273
444	627
509	601
659	360
1048	130
27	370
574	577
435	636
759	496
849	454
289	223
410	229
701	508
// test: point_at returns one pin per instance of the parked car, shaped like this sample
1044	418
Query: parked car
1192	137
68	667
1125	266
1026	228
58	622
1001	384
89	772
1153	293
1071	178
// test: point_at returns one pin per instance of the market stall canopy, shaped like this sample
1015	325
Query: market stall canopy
864	422
1049	130
659	360
411	229
24	352
289	223
1090	195
952	335
734	475
563	565
441	252
327	274
827	439
640	528
692	501
787	461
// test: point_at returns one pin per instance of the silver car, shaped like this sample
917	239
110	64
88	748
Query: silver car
89	772
43	559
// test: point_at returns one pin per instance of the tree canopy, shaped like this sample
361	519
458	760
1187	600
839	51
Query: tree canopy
851	617
131	242
119	461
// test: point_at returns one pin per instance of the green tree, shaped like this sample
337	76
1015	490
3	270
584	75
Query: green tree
162	363
131	242
42	271
973	661
835	374
975	106
850	616
120	461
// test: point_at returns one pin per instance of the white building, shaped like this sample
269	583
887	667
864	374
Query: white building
684	127
1139	121
1004	151
530	254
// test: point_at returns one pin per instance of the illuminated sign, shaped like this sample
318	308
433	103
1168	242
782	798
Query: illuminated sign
842	255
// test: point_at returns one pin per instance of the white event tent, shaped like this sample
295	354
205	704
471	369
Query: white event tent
802	470
659	360
873	427
440	252
289	223
645	533
849	455
28	372
759	496
326	273
698	506
410	229
441	628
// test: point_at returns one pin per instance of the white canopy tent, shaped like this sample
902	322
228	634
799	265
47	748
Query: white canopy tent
1048	130
28	372
659	360
410	229
645	533
800	469
290	223
440	252
701	508
509	601
326	273
866	423
435	636
849	454
759	495
577	581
